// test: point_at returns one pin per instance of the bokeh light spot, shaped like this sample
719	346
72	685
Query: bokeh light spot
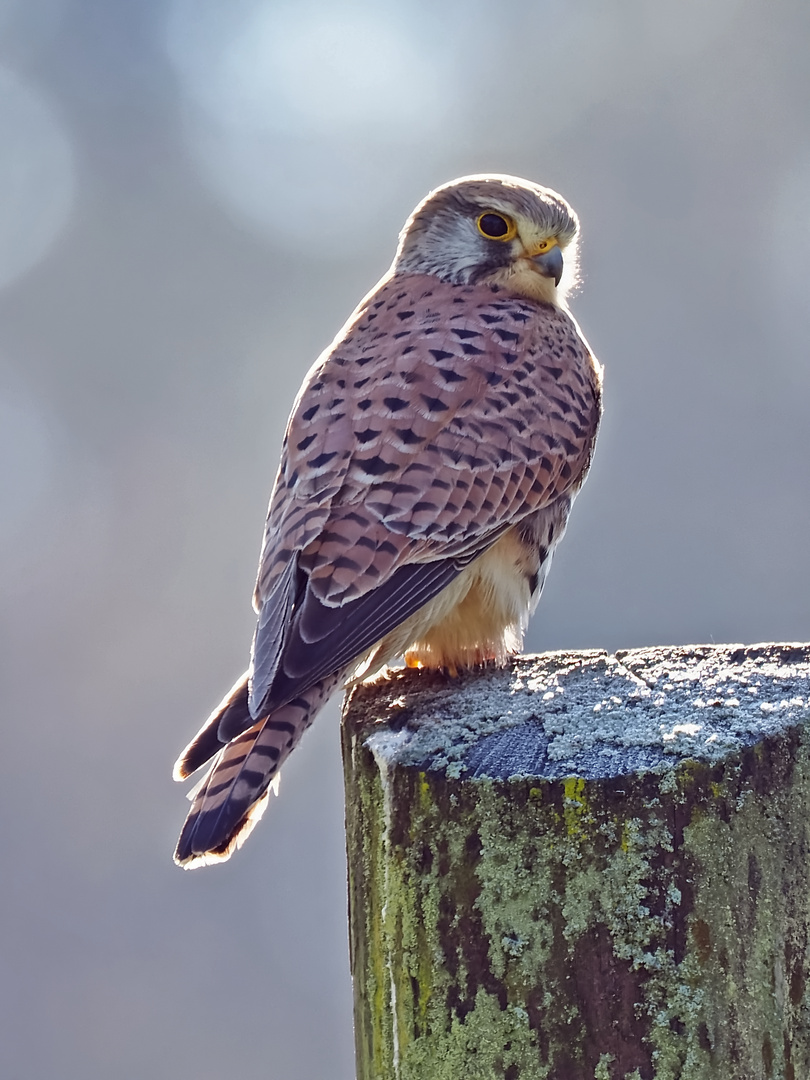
36	178
295	112
314	67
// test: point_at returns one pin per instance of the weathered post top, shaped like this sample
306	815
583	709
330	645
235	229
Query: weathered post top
584	867
587	714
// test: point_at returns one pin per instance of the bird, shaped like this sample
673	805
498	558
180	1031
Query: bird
427	473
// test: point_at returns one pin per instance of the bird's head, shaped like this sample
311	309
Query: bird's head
497	230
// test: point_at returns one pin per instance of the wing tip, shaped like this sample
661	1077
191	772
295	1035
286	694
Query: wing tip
179	769
233	712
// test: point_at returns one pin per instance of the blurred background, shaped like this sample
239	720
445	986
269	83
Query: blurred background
193	196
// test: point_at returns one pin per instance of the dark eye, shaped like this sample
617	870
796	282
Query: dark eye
496	226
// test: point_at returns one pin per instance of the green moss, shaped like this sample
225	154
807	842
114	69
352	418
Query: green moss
602	1072
488	1043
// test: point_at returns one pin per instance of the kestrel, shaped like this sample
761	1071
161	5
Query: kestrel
427	473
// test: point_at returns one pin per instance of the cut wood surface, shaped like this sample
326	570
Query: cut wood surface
583	867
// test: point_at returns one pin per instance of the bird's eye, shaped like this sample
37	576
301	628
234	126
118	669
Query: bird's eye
496	226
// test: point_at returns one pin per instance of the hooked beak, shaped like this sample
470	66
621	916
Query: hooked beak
550	264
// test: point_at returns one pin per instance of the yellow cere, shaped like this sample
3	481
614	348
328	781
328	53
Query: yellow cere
542	246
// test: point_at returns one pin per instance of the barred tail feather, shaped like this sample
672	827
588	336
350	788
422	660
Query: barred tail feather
233	796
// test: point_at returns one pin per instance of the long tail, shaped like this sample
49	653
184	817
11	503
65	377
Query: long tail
233	795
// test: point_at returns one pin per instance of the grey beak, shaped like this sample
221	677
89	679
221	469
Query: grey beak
550	264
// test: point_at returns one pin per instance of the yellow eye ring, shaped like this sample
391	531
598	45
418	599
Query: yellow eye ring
496	226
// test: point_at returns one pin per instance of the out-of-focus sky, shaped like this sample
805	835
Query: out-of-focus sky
193	196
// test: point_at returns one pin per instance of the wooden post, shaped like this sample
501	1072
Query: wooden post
583	867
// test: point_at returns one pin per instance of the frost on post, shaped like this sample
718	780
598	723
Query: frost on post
583	867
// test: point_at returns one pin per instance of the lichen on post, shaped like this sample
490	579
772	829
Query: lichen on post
583	867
